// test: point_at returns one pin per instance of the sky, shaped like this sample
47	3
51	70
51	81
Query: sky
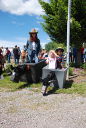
17	18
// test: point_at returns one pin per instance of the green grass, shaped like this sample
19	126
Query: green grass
70	87
74	89
12	86
9	85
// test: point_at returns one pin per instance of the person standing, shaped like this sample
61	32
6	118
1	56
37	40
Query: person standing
19	53
16	54
8	55
82	54
23	56
2	61
33	46
75	55
71	55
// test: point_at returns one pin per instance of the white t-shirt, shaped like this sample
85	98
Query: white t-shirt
33	45
52	63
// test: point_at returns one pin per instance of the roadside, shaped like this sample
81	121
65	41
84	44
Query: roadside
29	109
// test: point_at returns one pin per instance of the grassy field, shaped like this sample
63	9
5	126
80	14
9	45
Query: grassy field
12	86
70	87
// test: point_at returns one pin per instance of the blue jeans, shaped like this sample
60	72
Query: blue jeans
8	58
16	60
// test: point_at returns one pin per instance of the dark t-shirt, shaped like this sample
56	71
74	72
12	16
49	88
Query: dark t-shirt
16	52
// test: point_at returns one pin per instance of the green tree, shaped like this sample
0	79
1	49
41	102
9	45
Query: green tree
55	20
54	45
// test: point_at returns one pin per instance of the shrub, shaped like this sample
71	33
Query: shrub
83	66
71	71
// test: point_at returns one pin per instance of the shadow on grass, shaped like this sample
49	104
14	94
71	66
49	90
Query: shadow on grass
24	86
53	91
67	85
28	84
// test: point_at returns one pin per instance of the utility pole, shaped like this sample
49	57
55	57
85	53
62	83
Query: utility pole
68	35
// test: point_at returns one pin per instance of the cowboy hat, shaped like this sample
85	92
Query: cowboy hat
59	48
33	31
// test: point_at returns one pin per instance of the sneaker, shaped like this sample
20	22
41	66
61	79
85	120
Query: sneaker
44	94
43	89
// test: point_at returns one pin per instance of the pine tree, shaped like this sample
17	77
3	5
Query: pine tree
55	20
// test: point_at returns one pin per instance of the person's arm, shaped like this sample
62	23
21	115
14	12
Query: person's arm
38	46
27	45
55	53
13	51
47	61
63	62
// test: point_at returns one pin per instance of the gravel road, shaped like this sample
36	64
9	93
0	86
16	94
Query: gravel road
28	109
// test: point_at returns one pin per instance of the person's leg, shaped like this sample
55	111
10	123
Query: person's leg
29	58
81	58
46	82
18	60
15	59
8	58
32	56
73	58
44	90
85	58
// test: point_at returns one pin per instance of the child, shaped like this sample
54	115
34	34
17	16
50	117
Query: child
55	60
51	60
23	56
60	58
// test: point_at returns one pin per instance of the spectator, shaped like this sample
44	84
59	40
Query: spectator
75	55
60	58
16	55
2	61
82	54
8	55
23	56
45	55
71	55
19	52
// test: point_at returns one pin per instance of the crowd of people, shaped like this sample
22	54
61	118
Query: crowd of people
74	54
32	53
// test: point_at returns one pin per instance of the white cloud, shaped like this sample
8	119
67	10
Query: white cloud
16	23
11	44
20	7
6	43
22	39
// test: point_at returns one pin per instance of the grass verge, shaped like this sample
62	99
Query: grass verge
74	89
70	88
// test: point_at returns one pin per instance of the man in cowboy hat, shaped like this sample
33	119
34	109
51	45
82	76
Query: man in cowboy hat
33	46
